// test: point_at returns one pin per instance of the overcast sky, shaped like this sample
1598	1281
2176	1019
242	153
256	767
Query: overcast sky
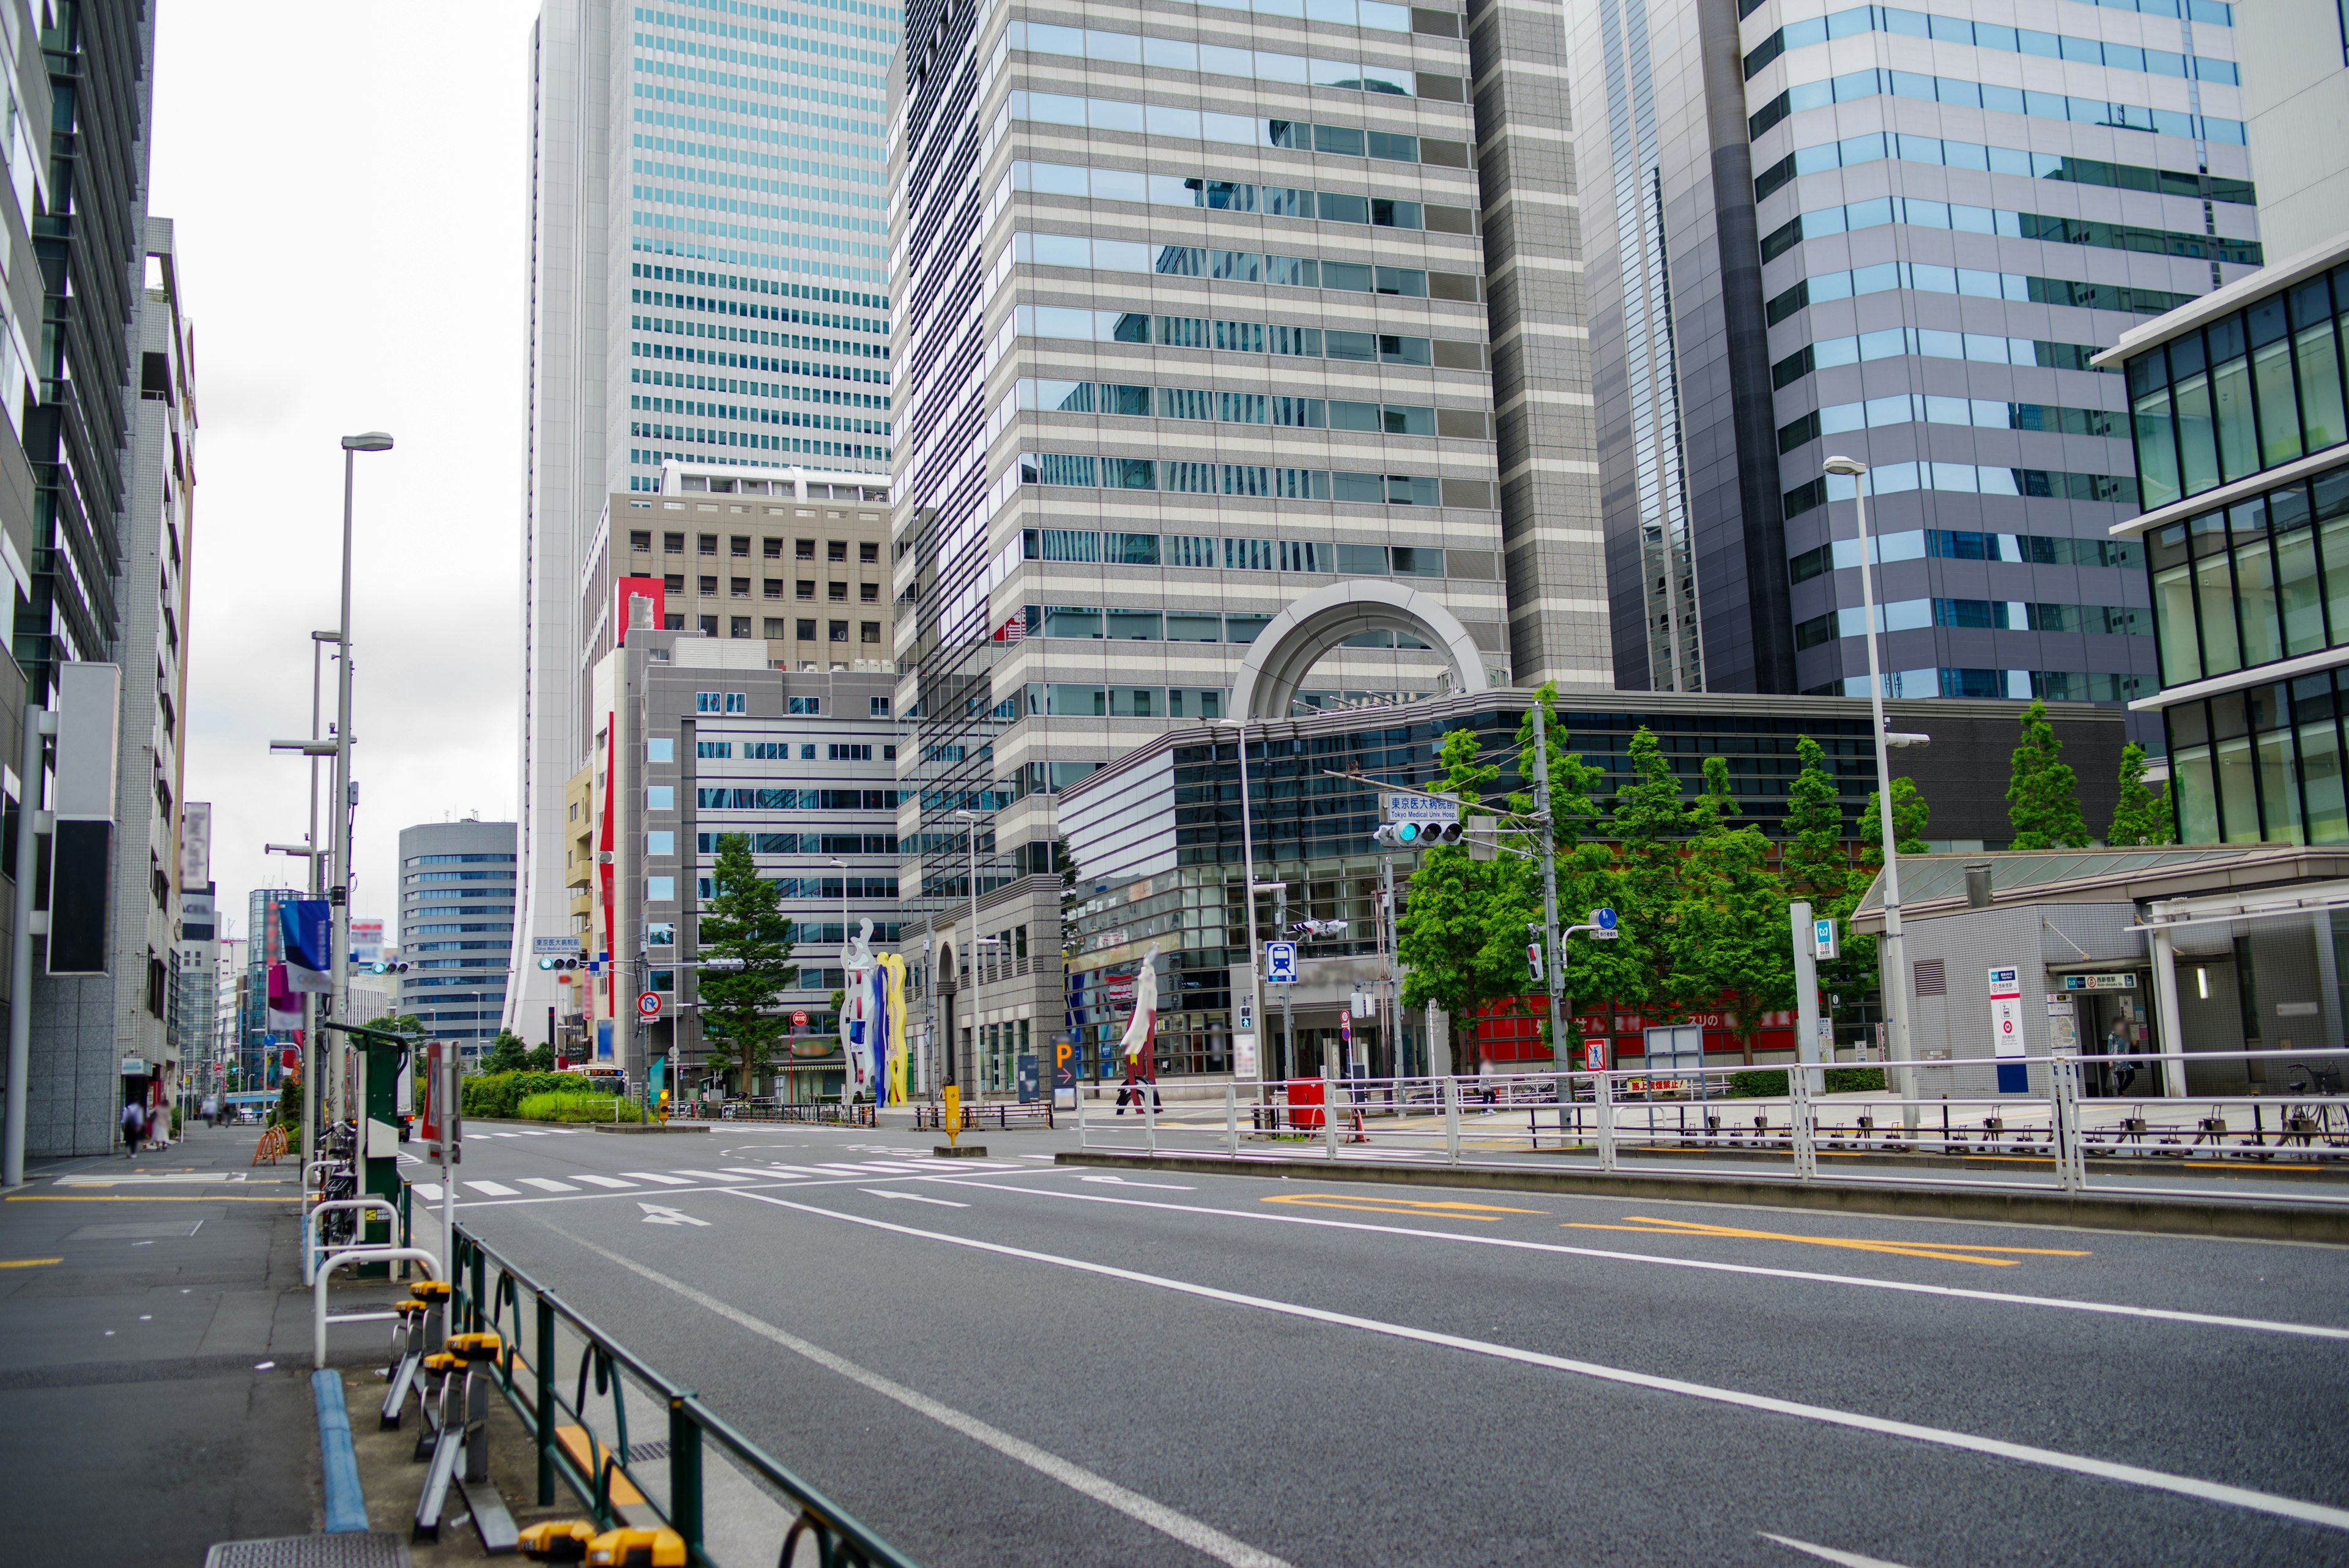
347	187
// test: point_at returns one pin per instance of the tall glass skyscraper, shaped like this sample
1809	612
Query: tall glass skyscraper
708	280
1899	235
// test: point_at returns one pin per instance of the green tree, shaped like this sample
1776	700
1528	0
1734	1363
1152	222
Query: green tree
1650	822
1462	929
2043	797
509	1053
743	922
1728	932
2139	816
1815	859
1851	974
1584	880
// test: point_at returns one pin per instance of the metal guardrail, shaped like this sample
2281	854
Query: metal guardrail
491	1293
343	1257
1004	1113
831	1112
2055	1137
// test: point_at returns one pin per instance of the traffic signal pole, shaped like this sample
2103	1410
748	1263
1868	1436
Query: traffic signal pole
1561	1054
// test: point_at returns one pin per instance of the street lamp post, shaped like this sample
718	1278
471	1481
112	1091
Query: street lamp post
340	801
1248	871
1894	965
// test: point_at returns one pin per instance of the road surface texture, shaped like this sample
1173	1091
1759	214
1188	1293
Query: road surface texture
1031	1363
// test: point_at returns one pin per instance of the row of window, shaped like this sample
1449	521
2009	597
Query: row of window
1373	14
1903	24
1217	59
460	876
699	410
804	843
835	888
1879	145
2214	12
1234	196
812	371
777	630
1124	702
2013	685
1200	553
1854	85
2249	390
1923	408
456	947
1243	266
450	931
1195	125
694	435
1092	623
2261	580
795	315
1110	398
868	552
778	66
867	593
743	283
1256	478
771	41
722	799
1245	336
1917	213
1897	342
768	212
1973	284
781	751
1965	479
1962	544
459	859
2262	765
1976	615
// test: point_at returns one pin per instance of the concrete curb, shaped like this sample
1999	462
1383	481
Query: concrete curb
645	1128
2275	1222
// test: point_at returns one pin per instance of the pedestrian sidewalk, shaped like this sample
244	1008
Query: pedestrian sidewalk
155	1355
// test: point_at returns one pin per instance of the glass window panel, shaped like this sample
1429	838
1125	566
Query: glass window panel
1351	276
2279	405
1349	416
2216	589
2197	437
2255	598
1241	408
2197	796
2238	814
1137	701
2320	772
1061	620
2333	547
1132	403
2297	593
1305	413
2230	398
1170	54
1244	627
2157	449
1345	139
2322	423
1247	556
1133	625
1192	551
1131	550
1189	628
2279	788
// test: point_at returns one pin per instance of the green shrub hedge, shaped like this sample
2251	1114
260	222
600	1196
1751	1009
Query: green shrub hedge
1771	1081
574	1109
500	1094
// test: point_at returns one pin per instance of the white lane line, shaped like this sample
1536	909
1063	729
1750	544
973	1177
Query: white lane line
540	1133
1194	1534
708	1175
2114	1309
655	1175
1122	1182
603	1181
1996	1448
912	1197
494	1189
428	1190
1047	1158
546	1184
1828	1553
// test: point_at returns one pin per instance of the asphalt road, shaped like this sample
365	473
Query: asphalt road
1032	1364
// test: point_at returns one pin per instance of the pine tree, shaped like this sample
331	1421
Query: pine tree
2043	797
2139	816
743	921
1815	860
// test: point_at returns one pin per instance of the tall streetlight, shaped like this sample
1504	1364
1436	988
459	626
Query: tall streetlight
1248	866
340	801
1895	966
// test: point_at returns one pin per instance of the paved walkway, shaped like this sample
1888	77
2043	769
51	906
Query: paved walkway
154	1355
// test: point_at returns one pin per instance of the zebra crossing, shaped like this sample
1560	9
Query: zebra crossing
582	1183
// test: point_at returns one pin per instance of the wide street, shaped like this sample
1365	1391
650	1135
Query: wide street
1034	1364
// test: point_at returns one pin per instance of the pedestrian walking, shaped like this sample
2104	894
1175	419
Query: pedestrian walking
1485	1078
134	1127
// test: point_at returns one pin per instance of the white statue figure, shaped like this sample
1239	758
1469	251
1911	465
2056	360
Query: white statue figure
856	1041
1140	1032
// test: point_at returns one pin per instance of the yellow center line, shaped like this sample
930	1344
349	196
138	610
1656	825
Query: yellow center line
1940	1251
1416	1208
29	1263
136	1198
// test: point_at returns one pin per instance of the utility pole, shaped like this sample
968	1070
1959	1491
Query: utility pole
1287	1023
1561	1057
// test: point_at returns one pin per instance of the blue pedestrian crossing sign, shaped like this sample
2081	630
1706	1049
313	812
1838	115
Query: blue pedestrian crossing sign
1603	917
1281	963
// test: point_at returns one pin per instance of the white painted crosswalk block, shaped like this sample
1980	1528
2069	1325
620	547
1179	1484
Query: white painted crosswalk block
603	1181
548	1184
494	1189
428	1191
746	1170
657	1177
658	1214
710	1175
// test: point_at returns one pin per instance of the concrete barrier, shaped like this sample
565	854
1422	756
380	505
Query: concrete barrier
338	1465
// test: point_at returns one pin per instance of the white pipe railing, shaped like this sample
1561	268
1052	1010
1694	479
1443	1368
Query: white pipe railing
312	1246
343	1257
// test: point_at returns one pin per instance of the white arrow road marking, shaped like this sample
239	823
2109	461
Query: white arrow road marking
911	1197
655	1214
1122	1182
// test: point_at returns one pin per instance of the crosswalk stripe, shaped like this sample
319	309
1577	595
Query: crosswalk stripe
708	1175
428	1190
494	1189
603	1181
548	1184
762	1174
655	1175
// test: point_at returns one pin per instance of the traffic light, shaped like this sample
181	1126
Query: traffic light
1533	962
558	963
388	966
1398	834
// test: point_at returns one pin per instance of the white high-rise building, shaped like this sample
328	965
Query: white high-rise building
708	280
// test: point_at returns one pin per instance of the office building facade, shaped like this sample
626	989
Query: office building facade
2241	418
1195	326
2295	56
457	882
1902	236
708	282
